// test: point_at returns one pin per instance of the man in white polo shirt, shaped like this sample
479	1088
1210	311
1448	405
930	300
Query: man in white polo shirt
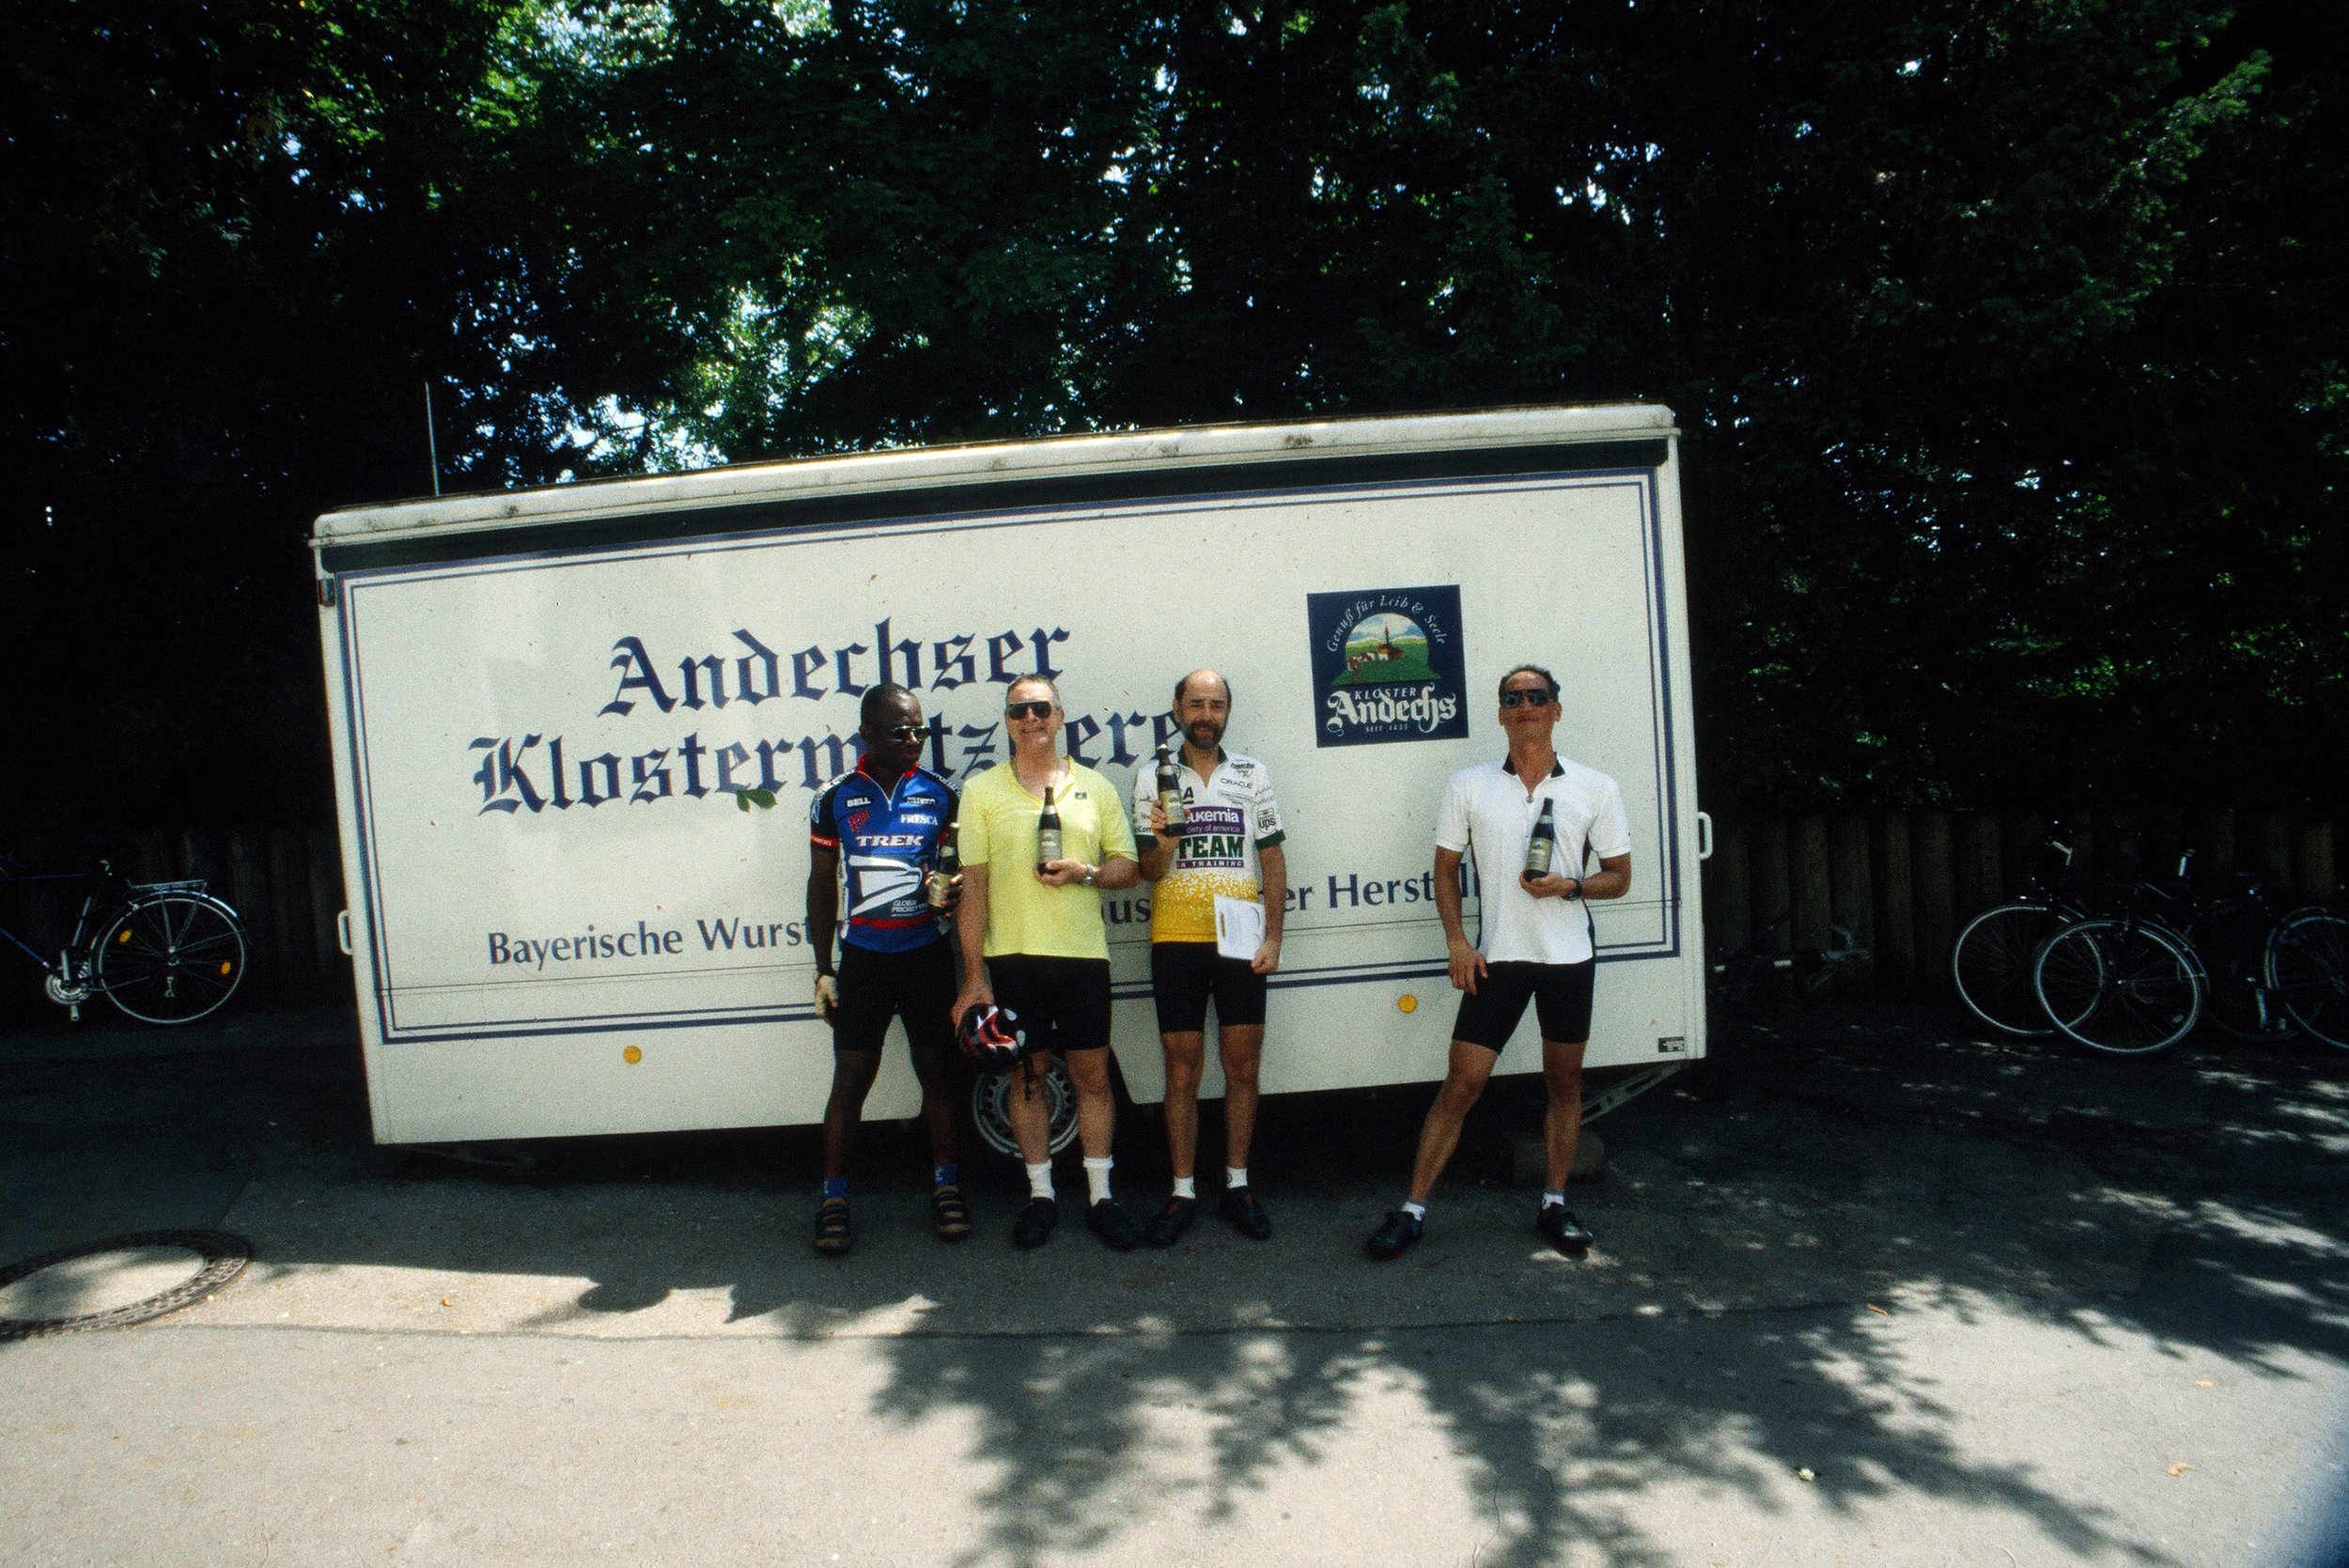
1536	947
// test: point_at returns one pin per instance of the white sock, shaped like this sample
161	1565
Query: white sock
1557	1198
1040	1180
1416	1209
1186	1186
1235	1175
1097	1178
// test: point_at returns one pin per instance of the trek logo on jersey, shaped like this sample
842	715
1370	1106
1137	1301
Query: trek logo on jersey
1387	665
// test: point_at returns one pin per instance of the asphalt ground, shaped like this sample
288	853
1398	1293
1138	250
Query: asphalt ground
1869	1289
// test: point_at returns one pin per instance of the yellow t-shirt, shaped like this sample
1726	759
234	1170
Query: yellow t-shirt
998	831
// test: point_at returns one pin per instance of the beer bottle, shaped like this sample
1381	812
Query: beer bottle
1171	793
1048	832
1542	846
938	886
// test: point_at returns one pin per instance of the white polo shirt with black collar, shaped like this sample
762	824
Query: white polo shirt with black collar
1486	808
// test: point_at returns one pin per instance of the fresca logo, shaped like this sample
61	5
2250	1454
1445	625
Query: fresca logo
1387	665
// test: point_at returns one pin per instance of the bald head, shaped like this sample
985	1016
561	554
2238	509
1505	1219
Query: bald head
1205	681
1203	707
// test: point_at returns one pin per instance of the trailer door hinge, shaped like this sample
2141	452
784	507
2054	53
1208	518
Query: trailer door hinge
330	592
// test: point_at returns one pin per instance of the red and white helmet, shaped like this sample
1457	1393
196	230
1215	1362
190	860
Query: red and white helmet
990	1037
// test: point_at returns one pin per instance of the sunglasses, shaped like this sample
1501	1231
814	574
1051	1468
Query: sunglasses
1525	699
903	732
1027	710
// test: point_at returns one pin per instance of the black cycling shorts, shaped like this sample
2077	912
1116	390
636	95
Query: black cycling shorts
1183	974
1062	1004
1560	995
918	987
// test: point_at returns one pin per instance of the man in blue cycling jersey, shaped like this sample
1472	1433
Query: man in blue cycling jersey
873	835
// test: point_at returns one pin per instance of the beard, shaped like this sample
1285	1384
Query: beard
1206	733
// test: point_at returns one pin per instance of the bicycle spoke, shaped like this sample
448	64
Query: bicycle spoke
2307	964
196	965
1991	963
2117	987
2231	939
218	940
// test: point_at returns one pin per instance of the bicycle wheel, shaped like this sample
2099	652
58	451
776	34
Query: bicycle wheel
2308	965
1991	963
170	957
2120	987
2230	941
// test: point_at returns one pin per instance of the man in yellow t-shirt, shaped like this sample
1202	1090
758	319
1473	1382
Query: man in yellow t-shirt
1031	940
1229	847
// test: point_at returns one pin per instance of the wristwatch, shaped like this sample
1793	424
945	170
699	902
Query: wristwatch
1091	872
1578	889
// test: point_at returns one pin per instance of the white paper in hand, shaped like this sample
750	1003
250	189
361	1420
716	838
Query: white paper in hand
1238	927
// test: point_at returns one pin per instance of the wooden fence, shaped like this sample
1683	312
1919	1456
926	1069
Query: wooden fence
1902	883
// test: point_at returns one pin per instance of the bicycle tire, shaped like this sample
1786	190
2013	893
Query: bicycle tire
2124	987
990	1106
2307	965
2230	941
1991	964
170	957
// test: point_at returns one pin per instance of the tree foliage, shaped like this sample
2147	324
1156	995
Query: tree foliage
2002	331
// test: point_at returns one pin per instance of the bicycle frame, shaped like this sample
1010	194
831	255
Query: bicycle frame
71	979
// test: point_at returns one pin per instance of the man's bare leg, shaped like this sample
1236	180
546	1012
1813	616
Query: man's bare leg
852	1073
1561	1125
1186	1054
1440	1135
1025	1108
1089	1074
1241	1046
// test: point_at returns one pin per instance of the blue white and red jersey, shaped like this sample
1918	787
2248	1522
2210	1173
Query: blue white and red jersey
887	840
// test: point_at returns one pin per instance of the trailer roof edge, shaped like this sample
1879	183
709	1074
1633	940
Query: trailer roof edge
916	468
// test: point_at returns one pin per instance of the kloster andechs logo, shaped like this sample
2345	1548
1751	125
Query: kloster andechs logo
1387	665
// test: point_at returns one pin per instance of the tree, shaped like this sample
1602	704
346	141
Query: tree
2002	332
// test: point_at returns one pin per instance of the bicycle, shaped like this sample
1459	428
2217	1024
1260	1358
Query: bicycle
1791	973
2307	967
2126	984
1991	960
2232	935
164	953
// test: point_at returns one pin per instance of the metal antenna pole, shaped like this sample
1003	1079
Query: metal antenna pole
431	442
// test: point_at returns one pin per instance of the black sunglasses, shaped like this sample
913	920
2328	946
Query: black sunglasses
903	732
1027	710
1525	699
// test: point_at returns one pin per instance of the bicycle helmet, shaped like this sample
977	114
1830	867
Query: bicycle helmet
991	1037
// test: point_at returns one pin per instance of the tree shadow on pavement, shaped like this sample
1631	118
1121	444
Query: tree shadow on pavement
1762	1246
1874	1163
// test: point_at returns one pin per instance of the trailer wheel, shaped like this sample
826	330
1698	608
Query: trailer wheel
990	1106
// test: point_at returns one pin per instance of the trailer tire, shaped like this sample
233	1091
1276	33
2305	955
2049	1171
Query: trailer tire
990	1106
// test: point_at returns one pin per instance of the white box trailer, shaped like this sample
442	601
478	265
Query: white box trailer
544	702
